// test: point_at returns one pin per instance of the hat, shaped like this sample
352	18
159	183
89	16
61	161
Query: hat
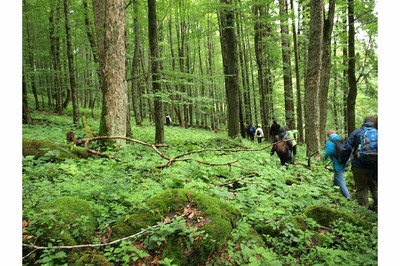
330	132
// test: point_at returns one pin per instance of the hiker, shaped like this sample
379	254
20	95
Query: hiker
274	130
168	120
250	132
338	167
283	147
292	135
364	165
259	134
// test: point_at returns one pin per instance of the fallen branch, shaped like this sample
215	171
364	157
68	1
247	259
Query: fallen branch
36	248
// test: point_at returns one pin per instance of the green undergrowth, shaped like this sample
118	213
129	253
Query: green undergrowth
287	216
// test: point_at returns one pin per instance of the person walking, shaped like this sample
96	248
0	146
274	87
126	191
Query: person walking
274	129
250	132
338	167
292	135
283	147
364	165
259	134
168	120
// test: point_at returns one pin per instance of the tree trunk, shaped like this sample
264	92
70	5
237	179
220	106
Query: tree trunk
110	25
55	52
298	88
135	66
26	114
287	66
155	75
30	54
326	68
335	89
230	62
311	107
345	83
351	98
75	108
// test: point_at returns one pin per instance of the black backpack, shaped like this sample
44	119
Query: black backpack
342	154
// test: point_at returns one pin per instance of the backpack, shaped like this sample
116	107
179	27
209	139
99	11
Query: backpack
368	150
342	154
369	142
251	130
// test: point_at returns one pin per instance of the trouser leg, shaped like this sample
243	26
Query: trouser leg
361	183
338	180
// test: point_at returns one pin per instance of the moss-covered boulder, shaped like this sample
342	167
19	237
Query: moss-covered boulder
69	221
325	215
52	151
92	259
215	217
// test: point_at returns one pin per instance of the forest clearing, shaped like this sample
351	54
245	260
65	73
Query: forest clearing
147	137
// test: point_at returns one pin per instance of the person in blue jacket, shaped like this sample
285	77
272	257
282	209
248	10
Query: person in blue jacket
364	167
338	168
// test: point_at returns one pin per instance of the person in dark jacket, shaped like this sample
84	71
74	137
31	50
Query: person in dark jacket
274	130
338	168
283	147
365	173
250	132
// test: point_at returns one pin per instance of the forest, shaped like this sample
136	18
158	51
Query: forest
106	181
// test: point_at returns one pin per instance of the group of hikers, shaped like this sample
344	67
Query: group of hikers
360	149
283	139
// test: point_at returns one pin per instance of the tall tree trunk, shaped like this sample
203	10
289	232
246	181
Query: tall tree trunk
210	73
311	107
345	83
155	75
26	114
110	25
287	66
297	70
55	52
30	54
75	108
135	66
176	102
230	62
326	68
335	89
351	98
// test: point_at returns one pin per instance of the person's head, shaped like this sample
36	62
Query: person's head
330	132
259	125
371	120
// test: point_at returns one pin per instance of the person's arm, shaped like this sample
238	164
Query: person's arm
329	149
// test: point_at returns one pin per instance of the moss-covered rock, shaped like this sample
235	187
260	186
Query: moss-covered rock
70	220
93	260
325	215
39	148
218	220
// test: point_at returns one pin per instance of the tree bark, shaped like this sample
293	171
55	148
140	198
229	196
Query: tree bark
326	68
261	31
135	66
351	98
311	107
110	26
26	114
155	75
55	52
230	65
71	67
287	65
297	70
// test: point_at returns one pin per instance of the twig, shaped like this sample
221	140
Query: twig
103	244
